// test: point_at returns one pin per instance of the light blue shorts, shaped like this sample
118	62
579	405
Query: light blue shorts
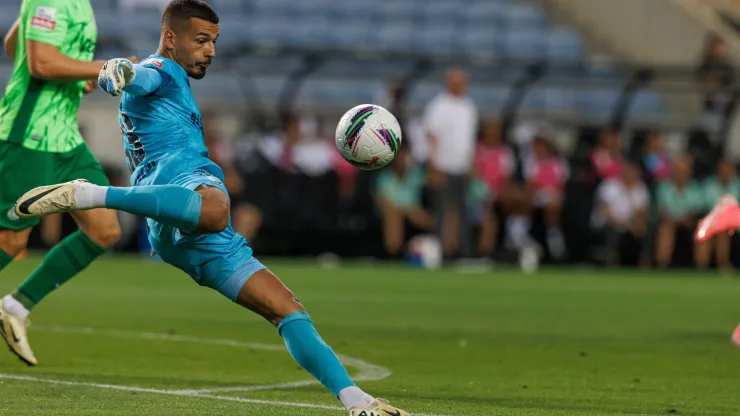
222	261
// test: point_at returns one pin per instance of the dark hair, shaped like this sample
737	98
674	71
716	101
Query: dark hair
179	12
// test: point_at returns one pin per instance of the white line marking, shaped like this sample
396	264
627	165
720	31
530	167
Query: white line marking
182	393
366	371
168	392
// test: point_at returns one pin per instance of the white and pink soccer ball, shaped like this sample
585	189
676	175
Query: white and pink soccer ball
368	137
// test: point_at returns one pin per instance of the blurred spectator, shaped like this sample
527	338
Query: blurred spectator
451	122
546	174
680	200
725	182
606	156
220	153
399	191
716	76
656	161
621	210
494	165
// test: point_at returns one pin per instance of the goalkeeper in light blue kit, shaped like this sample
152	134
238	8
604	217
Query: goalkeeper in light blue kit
181	192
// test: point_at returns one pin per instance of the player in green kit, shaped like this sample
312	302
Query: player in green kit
52	44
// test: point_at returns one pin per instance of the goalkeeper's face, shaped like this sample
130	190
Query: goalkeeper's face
195	47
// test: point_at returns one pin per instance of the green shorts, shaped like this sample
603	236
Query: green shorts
22	169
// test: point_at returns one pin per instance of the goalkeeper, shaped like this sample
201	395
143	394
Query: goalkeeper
52	44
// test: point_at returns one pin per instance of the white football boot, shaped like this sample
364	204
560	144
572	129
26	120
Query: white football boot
13	329
379	407
46	200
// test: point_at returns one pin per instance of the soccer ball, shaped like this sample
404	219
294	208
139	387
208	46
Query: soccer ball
368	137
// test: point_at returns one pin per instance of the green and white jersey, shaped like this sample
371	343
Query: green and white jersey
42	114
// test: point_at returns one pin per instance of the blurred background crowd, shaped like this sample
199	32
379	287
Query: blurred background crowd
589	131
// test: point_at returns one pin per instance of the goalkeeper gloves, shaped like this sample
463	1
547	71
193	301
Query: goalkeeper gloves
116	74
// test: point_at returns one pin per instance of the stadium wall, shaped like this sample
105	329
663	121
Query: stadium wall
629	28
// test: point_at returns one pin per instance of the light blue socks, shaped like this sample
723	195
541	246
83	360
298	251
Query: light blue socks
312	353
171	205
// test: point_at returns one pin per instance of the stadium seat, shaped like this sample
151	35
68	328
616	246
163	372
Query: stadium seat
396	11
490	97
479	41
597	103
8	14
436	39
487	14
523	43
523	16
449	11
646	103
559	99
395	37
564	45
421	94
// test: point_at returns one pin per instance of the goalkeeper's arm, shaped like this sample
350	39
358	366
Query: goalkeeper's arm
145	81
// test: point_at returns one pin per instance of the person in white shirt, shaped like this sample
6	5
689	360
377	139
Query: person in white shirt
621	210
451	124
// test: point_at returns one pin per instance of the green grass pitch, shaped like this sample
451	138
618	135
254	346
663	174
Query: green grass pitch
131	337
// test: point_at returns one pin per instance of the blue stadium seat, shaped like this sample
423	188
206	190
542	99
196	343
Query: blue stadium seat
268	88
396	11
395	37
436	39
479	41
559	100
103	6
234	33
359	11
268	31
490	97
523	43
484	13
422	93
524	16
230	8
8	14
449	11
646	103
315	32
564	45
597	103
351	35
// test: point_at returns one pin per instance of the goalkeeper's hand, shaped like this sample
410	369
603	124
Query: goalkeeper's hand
116	74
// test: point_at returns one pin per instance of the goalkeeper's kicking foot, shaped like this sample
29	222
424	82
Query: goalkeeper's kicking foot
45	200
379	407
724	218
13	329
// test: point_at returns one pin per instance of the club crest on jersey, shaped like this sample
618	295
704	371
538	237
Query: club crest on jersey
156	62
44	18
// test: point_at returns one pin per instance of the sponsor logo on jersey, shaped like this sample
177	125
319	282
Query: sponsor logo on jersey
215	179
44	18
156	62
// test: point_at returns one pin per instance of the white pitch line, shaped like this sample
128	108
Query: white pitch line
168	392
181	393
366	371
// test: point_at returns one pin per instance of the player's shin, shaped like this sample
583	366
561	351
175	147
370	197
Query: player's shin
172	205
310	351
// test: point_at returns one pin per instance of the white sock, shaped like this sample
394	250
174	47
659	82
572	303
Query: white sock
518	230
14	307
89	196
354	397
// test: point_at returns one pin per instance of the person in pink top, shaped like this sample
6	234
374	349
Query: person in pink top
494	165
546	174
606	156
